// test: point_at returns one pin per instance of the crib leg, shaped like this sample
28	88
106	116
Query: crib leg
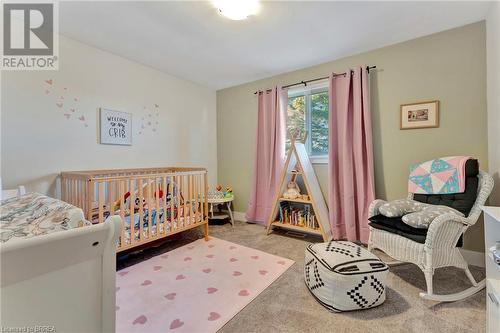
206	231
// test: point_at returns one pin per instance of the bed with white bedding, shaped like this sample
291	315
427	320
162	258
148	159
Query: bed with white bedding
57	269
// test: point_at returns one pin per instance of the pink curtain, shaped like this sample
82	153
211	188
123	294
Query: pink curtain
270	153
351	183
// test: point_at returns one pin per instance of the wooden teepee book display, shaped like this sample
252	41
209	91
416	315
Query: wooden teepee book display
307	213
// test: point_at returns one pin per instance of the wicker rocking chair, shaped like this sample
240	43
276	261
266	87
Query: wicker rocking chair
439	249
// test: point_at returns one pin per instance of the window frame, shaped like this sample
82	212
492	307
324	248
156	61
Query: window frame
307	91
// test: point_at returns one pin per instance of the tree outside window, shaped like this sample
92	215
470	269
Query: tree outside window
308	111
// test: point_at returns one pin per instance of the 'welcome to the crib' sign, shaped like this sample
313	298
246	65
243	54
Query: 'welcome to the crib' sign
116	127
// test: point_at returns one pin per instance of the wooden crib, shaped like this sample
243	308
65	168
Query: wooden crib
152	202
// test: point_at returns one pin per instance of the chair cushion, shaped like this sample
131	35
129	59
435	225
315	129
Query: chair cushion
462	202
422	219
400	207
395	225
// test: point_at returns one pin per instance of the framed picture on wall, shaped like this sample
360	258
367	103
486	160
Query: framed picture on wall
116	127
420	115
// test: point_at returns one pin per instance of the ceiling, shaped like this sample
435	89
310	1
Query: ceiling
191	40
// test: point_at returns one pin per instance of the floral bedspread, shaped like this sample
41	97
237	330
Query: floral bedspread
34	214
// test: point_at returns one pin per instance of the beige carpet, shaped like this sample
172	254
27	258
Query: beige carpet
287	306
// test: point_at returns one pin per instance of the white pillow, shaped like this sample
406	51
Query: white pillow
423	219
398	208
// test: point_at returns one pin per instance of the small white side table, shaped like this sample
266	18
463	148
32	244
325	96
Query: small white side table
221	201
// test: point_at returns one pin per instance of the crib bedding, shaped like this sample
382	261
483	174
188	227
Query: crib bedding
156	214
35	214
170	226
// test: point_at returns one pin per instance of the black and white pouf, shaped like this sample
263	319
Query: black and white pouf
343	276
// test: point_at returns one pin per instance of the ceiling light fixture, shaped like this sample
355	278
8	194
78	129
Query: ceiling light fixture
237	10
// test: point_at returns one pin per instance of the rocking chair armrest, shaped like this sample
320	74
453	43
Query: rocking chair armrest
374	206
445	230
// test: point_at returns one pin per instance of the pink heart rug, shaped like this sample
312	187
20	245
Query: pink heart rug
168	293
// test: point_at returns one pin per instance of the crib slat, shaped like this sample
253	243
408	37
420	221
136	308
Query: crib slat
63	188
190	178
157	206
164	214
110	199
122	209
172	202
90	195
132	207
100	202
148	202
205	189
141	210
178	200
186	197
196	198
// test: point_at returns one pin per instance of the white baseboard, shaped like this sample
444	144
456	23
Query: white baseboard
473	258
239	216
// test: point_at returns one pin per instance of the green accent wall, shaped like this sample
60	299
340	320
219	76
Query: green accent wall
449	66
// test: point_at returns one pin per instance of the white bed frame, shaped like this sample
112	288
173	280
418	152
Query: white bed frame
64	280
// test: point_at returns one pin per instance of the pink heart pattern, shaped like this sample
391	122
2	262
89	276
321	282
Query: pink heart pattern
152	276
211	290
176	324
140	320
59	105
244	292
48	81
213	316
170	296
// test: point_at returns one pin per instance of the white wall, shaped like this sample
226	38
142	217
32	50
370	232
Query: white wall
493	65
38	141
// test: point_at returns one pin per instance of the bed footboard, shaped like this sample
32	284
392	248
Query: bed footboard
64	280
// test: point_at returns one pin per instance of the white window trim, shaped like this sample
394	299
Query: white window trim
311	88
319	159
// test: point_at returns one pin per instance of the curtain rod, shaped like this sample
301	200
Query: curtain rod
368	68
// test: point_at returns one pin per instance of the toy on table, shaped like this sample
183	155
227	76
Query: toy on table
228	193
220	194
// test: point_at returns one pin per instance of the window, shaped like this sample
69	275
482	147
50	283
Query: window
308	111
